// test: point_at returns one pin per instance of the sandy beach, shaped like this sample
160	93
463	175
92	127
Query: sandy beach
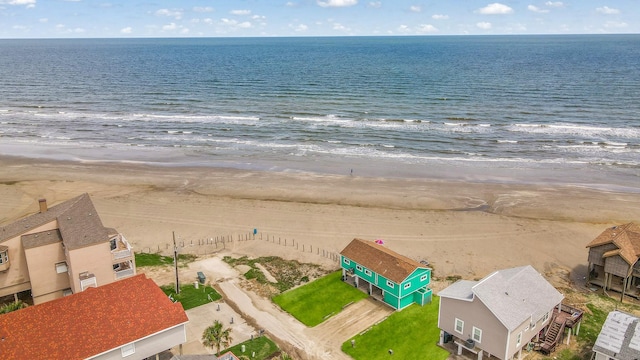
460	228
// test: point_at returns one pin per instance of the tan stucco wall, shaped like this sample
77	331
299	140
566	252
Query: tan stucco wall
44	278
95	259
16	278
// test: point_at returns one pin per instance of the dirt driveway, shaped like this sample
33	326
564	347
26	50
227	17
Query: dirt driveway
257	313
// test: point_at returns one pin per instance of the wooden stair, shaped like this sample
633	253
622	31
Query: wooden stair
553	336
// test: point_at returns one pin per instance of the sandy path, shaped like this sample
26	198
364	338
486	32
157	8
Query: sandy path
268	318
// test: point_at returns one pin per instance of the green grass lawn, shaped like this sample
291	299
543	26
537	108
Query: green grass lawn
313	302
144	259
411	333
263	347
191	297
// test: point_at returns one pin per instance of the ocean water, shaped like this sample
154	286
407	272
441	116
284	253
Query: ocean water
542	109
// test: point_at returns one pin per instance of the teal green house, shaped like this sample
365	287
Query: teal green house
385	275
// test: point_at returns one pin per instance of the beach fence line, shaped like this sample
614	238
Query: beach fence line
213	244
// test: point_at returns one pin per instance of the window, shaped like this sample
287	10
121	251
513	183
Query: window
518	340
359	267
459	326
128	349
407	285
545	317
477	334
423	277
4	255
390	284
367	272
61	267
346	261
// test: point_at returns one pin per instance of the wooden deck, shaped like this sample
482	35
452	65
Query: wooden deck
569	317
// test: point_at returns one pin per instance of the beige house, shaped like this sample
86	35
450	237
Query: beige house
499	315
130	319
613	259
61	250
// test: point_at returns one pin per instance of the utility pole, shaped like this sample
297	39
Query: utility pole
175	261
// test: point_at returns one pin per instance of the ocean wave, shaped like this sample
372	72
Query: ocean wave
574	129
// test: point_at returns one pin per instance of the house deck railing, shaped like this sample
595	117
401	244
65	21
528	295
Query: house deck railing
124	273
123	249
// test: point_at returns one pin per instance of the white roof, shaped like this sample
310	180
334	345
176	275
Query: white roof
619	337
512	295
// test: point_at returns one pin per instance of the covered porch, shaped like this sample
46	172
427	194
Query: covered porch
363	285
630	285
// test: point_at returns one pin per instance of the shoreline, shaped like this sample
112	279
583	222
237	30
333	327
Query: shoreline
605	177
462	228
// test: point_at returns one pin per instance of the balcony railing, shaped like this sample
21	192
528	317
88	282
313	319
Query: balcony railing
121	254
122	249
124	273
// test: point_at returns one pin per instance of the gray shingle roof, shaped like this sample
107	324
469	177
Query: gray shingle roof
512	295
78	222
619	337
80	225
461	290
41	238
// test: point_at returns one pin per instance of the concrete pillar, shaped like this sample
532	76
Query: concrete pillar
578	328
569	337
441	340
344	273
480	355
370	289
357	281
520	354
459	349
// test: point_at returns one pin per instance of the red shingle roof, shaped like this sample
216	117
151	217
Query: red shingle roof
380	259
89	323
626	237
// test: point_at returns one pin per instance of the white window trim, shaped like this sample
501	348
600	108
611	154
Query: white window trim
407	285
391	284
455	327
128	349
346	261
519	339
423	277
62	267
4	256
367	272
473	335
359	267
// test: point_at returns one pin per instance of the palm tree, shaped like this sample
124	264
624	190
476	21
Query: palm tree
17	305
216	336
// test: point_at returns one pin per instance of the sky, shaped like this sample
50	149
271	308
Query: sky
259	18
